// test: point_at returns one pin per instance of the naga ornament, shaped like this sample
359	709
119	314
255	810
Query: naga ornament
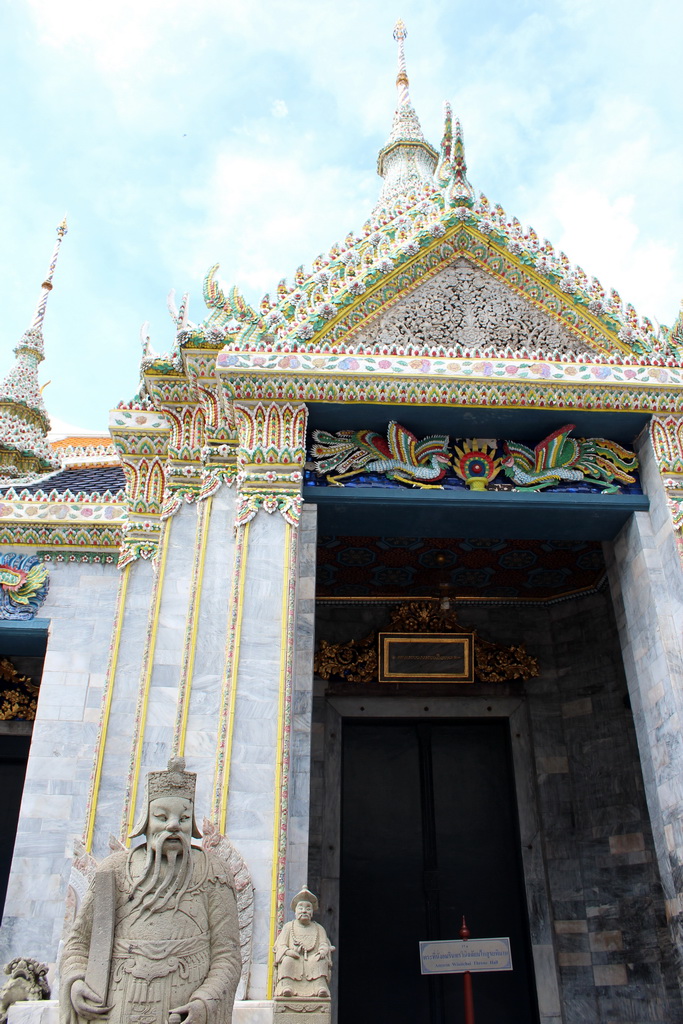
399	456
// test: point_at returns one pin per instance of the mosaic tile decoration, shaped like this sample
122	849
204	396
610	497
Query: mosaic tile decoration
481	570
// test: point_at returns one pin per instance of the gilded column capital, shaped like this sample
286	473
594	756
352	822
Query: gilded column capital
176	398
219	454
271	452
141	437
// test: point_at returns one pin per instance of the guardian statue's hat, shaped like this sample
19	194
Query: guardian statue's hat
175	781
305	896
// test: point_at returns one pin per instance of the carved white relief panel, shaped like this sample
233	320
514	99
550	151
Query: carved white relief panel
466	310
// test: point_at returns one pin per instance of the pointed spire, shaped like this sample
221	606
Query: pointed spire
47	283
24	422
451	174
402	83
406	160
461	188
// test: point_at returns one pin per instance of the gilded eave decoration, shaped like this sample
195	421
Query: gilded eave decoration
355	661
18	694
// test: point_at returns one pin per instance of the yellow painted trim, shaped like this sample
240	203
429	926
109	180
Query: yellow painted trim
204	511
148	677
243	540
278	764
106	711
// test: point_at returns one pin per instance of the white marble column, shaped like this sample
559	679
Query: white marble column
262	777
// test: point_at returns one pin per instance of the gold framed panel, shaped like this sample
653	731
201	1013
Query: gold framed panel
426	658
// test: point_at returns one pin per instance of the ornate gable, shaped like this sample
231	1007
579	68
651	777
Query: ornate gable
441	301
465	311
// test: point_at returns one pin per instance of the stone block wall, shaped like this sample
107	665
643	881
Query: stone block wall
646	579
613	955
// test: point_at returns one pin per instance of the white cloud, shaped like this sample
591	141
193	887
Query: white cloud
279	108
262	216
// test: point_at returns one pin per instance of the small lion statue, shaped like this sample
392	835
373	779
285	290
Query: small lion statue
26	982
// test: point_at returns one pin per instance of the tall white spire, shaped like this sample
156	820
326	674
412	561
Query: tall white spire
24	422
407	159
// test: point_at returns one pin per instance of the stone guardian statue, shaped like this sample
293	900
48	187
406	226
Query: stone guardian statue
156	938
303	959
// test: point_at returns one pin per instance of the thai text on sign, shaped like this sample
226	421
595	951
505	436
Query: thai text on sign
455	956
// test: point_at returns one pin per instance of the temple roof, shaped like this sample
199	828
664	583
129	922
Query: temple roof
81	451
428	216
441	299
98	480
410	237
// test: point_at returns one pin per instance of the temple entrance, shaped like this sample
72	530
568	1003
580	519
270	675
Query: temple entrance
22	654
13	759
429	831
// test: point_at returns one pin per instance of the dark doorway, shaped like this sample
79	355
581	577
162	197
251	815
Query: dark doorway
22	644
13	758
429	833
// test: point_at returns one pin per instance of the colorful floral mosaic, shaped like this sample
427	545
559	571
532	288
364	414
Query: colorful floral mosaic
271	453
666	433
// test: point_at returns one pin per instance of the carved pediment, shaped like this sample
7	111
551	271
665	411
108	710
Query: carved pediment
465	309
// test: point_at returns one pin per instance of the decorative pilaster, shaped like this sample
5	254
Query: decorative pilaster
141	438
178	400
271	454
666	433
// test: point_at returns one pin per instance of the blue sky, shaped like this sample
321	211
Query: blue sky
176	135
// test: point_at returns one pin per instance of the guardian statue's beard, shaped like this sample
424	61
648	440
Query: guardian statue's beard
162	880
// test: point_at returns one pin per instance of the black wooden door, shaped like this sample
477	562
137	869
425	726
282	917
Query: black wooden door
13	758
429	833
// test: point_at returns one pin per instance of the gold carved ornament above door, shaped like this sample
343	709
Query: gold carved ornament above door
356	661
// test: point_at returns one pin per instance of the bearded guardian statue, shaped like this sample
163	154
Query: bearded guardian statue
156	939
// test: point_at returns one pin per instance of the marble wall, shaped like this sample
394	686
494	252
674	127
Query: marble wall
171	691
80	605
252	811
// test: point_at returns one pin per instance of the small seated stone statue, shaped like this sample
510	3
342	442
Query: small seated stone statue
303	954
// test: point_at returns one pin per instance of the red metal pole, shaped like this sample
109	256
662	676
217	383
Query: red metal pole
467	980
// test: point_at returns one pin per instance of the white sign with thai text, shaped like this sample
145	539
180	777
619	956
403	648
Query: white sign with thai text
455	956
